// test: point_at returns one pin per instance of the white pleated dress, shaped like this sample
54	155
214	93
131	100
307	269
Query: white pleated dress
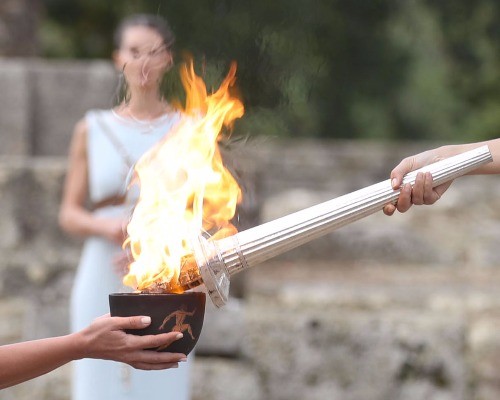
96	277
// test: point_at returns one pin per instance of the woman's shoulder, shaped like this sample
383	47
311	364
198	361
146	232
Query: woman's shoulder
80	128
78	142
98	112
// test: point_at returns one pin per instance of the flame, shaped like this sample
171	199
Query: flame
185	190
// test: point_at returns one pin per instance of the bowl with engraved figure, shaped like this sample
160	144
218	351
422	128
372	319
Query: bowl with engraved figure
169	312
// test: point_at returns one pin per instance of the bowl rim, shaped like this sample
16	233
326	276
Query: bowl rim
157	294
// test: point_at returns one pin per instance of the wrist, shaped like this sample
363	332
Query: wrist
79	344
100	227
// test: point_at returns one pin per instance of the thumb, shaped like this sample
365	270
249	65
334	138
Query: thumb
398	173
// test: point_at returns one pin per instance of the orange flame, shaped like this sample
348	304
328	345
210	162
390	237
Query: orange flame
185	190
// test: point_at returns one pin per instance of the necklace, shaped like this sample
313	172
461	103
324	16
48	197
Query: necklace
145	125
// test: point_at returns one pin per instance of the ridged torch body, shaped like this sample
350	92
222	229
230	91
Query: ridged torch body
219	259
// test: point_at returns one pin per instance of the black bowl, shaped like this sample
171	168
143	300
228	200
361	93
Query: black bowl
169	313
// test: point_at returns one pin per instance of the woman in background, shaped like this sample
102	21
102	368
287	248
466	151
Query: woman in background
105	145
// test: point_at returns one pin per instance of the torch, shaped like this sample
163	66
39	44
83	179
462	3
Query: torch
185	189
217	260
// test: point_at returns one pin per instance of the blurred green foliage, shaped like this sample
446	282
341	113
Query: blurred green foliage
378	69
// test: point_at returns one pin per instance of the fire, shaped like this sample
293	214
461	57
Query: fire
185	190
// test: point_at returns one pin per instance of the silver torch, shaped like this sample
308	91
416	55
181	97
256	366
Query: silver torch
217	260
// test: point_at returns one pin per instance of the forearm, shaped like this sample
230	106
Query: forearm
20	362
493	167
490	168
81	222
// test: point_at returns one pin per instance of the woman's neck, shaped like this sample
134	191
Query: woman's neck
145	105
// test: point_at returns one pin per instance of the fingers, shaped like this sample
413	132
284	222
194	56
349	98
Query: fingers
429	196
121	262
389	209
155	357
417	195
153	367
405	199
136	322
422	192
103	317
154	341
148	359
147	341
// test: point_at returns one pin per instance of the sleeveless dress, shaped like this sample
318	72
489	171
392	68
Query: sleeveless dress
112	143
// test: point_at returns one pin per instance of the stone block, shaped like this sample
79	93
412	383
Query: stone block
484	345
63	91
30	197
223	330
12	311
53	386
217	379
15	107
323	354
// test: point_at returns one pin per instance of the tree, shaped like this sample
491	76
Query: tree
380	69
18	27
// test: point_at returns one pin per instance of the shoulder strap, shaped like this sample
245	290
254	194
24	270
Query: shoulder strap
127	159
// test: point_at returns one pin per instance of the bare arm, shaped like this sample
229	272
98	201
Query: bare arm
103	339
423	192
427	157
74	218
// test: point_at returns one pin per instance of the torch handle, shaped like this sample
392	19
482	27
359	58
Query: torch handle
258	244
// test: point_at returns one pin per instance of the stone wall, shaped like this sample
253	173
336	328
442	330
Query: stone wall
42	100
414	293
405	307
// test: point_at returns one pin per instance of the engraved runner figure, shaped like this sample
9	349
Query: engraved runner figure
180	315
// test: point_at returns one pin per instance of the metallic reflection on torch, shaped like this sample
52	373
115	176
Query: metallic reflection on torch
217	260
